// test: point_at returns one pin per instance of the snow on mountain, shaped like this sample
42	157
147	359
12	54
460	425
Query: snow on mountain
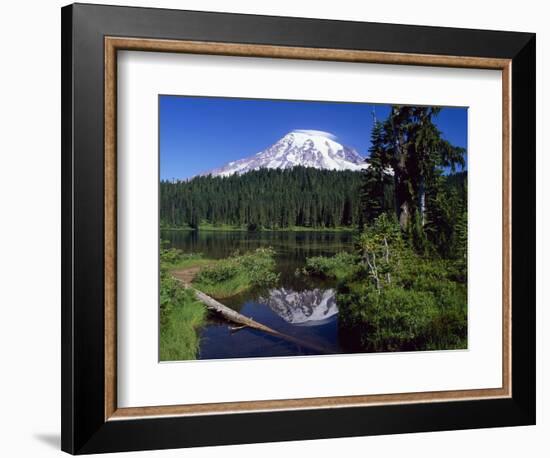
307	148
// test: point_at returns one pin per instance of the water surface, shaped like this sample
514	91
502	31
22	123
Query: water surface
299	306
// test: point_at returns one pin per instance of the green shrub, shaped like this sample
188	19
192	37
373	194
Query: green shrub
172	258
238	273
222	271
382	250
399	300
431	315
340	266
395	319
259	266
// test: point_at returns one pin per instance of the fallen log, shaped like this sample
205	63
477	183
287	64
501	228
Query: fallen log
231	315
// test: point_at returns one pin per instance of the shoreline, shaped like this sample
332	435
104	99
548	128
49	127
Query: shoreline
240	229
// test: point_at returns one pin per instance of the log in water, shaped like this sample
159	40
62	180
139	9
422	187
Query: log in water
231	315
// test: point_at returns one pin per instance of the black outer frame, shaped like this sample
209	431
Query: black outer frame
84	429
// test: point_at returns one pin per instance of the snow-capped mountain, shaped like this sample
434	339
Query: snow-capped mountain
307	148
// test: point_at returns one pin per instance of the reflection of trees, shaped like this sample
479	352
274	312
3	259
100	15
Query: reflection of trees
294	246
308	307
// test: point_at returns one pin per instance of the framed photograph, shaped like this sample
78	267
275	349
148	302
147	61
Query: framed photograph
281	228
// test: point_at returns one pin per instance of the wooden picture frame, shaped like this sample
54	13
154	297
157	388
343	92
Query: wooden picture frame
91	419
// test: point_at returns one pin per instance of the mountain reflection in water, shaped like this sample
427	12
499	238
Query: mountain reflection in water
299	306
308	308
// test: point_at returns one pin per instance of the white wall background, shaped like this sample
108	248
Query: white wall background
30	227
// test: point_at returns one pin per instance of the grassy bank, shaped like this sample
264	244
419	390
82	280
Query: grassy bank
181	318
238	273
174	259
181	315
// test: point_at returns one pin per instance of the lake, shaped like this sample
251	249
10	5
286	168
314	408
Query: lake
302	307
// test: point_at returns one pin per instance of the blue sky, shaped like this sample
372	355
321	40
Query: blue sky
201	133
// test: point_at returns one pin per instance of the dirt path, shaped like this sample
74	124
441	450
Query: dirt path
186	276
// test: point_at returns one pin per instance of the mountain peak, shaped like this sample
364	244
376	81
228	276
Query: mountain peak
313	133
299	147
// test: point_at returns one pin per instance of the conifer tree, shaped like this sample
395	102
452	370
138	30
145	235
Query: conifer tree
409	147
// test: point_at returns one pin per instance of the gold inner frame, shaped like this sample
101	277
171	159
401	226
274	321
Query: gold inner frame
114	44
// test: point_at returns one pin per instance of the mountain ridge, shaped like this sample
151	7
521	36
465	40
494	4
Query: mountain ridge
300	147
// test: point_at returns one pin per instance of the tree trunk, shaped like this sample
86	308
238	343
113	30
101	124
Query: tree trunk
401	190
404	215
422	201
387	257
